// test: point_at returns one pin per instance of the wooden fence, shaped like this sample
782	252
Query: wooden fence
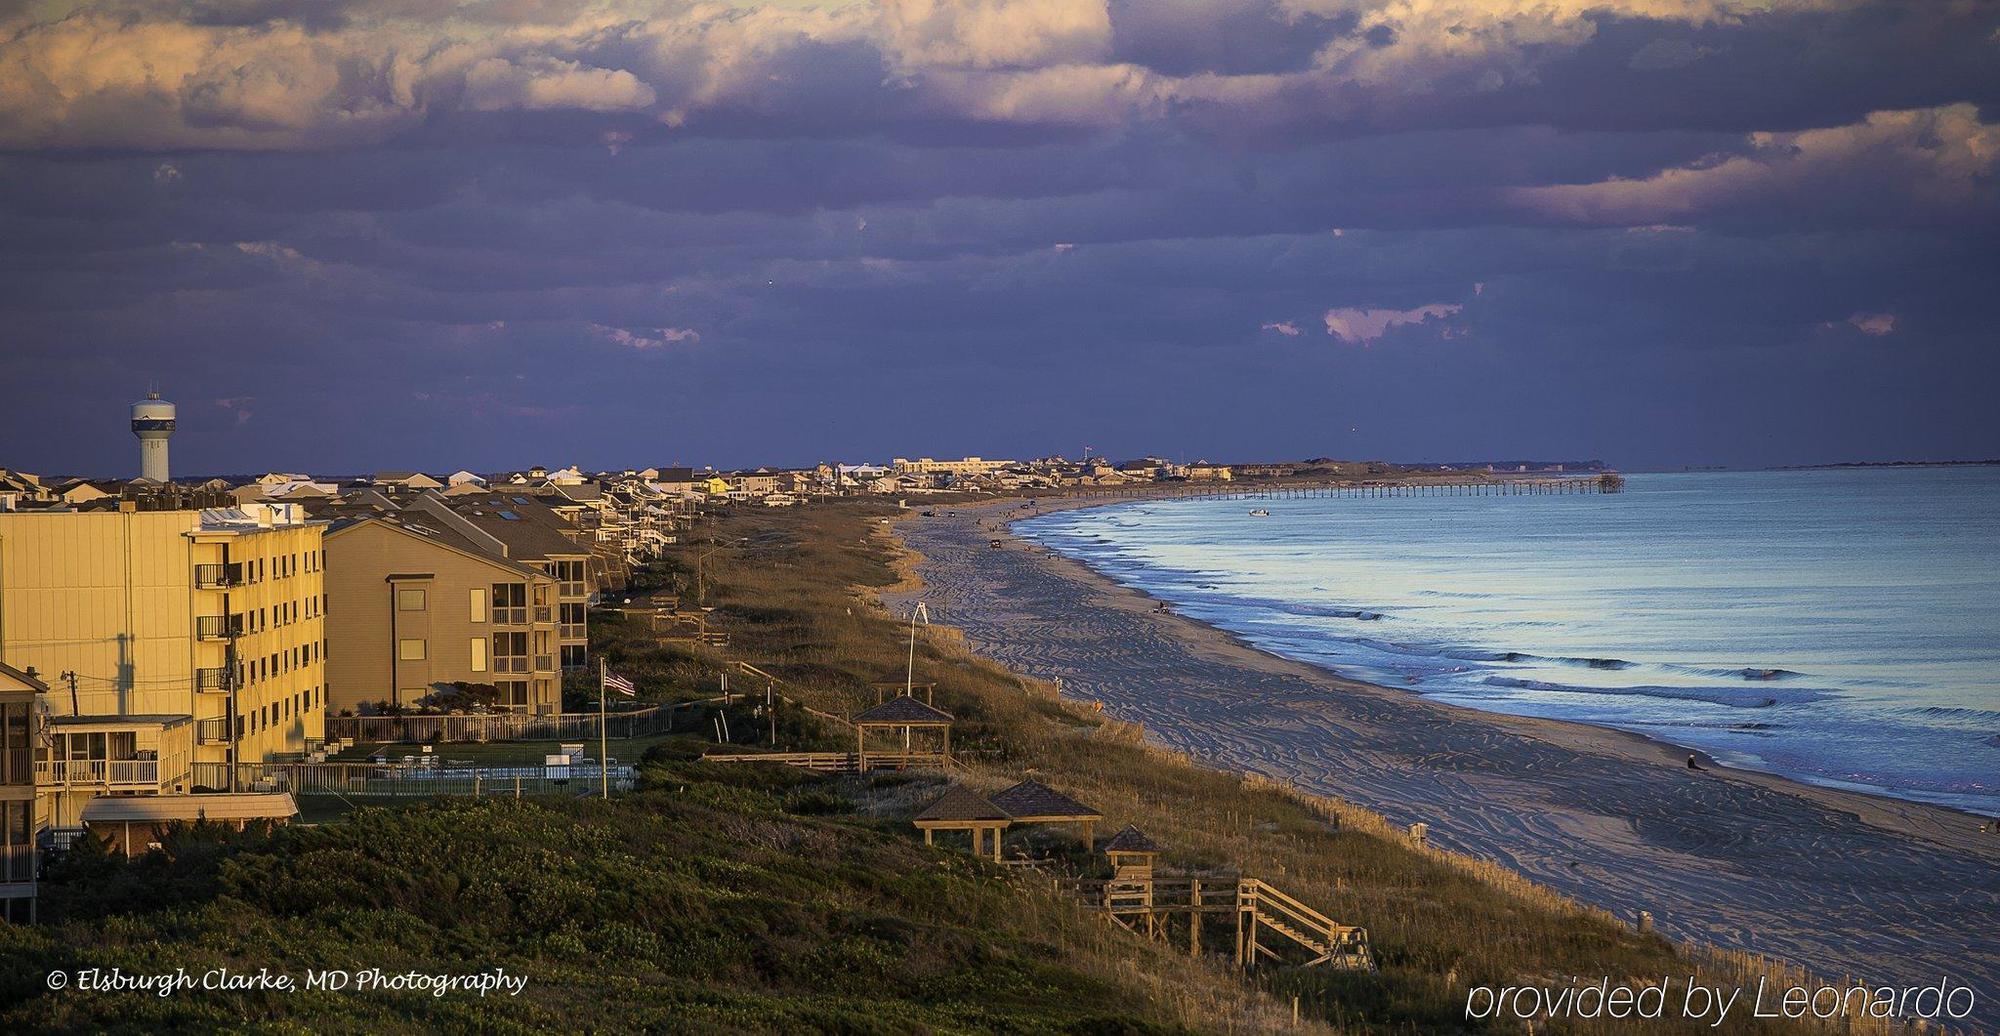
837	762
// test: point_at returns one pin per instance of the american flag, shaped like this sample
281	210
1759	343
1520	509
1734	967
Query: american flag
615	682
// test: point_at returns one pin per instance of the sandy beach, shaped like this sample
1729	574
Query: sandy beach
1891	892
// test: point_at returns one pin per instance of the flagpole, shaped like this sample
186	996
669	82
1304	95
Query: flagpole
603	738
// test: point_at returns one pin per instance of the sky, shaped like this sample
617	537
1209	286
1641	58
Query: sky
344	235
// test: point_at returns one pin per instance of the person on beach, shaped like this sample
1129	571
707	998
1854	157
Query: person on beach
1692	765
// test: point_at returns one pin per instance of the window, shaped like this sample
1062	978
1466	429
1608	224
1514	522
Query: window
479	654
411	650
410	601
479	596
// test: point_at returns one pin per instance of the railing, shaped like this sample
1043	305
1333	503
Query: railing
219	680
545	663
510	616
217	577
499	726
572	631
17	864
837	762
544	614
217	627
1342	946
212	731
573	588
510	663
98	771
406	779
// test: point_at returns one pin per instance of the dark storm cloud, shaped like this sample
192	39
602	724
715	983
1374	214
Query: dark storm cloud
412	232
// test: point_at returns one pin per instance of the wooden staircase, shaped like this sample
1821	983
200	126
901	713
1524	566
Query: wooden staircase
1261	906
1271	926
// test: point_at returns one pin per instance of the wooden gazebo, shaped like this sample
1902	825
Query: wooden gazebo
907	714
1131	854
1032	802
962	809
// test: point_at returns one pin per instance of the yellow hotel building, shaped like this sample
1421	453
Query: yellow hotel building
173	643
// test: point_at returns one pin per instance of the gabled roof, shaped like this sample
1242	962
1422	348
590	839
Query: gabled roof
1035	799
904	709
962	803
1131	840
26	681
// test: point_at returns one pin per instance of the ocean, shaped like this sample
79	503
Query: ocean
1834	626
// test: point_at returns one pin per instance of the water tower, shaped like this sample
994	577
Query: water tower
153	423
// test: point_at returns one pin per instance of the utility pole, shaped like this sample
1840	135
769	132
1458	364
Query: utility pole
75	709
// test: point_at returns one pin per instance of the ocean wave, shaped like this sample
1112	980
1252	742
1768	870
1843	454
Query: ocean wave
1745	672
1732	697
1486	655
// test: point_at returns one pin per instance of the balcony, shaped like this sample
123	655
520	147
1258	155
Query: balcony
510	663
104	773
218	577
17	864
218	627
517	616
544	614
545	663
574	589
212	731
572	631
220	680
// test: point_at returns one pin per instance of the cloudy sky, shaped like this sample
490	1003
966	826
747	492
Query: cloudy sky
351	234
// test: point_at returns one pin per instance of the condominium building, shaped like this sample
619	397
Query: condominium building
419	602
179	642
964	466
19	830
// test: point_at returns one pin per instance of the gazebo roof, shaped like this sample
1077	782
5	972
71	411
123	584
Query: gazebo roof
1035	799
1131	840
962	803
903	709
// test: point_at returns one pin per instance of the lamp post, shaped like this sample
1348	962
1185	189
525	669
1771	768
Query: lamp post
910	673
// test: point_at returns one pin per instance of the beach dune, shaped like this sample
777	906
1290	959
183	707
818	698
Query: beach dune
1849	885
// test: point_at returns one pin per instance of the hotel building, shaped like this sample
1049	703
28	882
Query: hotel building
176	643
19	830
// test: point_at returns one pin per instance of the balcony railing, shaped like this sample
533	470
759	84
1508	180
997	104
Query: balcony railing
544	614
572	631
212	731
218	627
510	663
220	680
574	589
510	616
98	771
218	577
17	864
545	663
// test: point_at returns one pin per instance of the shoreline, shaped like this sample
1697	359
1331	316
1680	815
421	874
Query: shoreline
1793	782
1837	880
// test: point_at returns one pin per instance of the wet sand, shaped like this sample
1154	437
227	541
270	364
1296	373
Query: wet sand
1844	883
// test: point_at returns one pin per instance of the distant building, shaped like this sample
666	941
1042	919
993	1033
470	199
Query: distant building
195	639
406	480
964	466
1203	471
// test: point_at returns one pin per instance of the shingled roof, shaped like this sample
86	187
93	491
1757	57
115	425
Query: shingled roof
1131	840
962	803
1035	799
903	709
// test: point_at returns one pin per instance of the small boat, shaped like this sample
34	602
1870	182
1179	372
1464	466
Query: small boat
1260	513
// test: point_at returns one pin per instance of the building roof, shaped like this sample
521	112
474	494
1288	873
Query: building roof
1035	799
526	525
424	527
1131	840
961	803
123	719
272	805
903	709
32	683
